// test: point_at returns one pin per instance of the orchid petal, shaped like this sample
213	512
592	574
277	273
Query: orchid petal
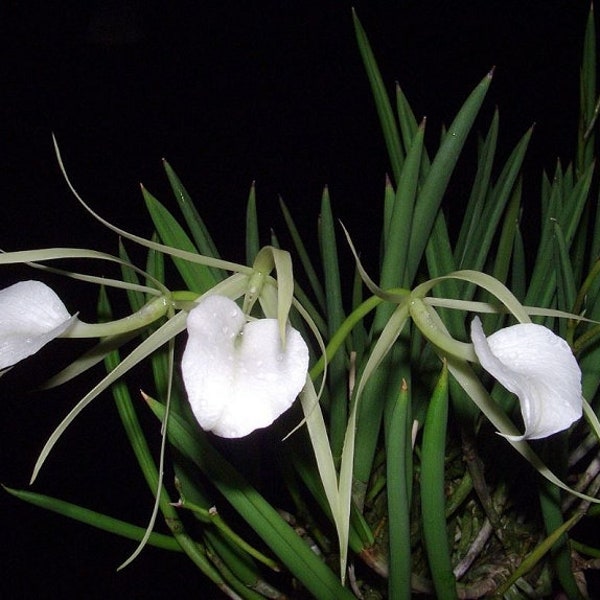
237	374
539	367
31	315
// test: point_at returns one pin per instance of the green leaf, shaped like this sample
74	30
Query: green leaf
252	236
481	185
571	215
258	513
433	499
95	519
382	101
192	217
477	251
400	222
588	106
408	125
566	290
555	450
434	186
399	492
359	445
337	375
309	269
508	235
441	262
197	278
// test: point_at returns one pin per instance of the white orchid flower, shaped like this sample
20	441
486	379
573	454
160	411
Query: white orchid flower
237	374
31	315
539	367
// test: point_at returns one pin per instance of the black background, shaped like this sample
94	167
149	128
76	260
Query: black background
229	93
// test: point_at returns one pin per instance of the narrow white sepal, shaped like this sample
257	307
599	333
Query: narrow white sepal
539	367
237	375
31	315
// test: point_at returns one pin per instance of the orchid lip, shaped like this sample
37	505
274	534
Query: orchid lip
539	367
237	374
31	315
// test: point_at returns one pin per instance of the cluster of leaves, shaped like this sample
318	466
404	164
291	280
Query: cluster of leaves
429	506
